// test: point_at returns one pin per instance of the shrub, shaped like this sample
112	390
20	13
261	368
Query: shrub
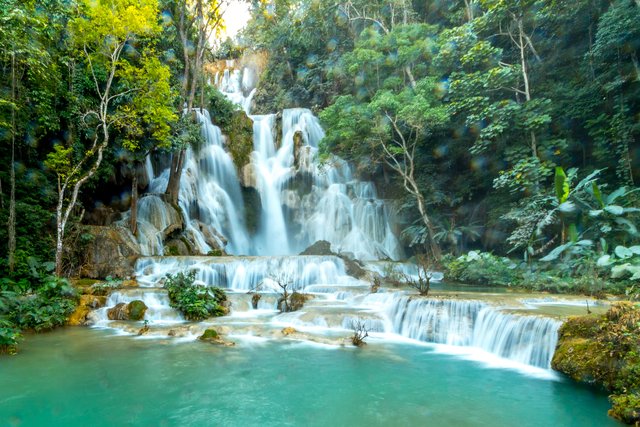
195	302
482	268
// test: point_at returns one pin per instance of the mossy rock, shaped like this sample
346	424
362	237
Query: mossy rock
209	334
240	134
626	408
605	351
213	337
79	316
137	310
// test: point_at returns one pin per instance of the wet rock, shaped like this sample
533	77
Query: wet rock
135	310
102	216
248	177
112	251
319	248
211	336
288	331
323	248
79	316
291	199
603	351
255	299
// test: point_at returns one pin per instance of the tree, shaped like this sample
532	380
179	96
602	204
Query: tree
22	50
197	22
101	33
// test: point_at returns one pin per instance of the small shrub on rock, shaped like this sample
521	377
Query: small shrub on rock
195	302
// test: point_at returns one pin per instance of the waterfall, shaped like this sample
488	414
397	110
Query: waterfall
529	340
243	274
303	200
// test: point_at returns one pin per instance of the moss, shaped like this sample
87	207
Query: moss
605	351
240	133
215	252
209	334
626	408
137	309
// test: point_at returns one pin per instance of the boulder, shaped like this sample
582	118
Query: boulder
319	248
211	336
603	351
323	248
112	251
135	310
248	176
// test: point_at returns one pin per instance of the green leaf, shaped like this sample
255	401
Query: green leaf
562	185
597	193
614	209
623	252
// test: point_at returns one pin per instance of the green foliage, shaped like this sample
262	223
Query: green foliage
604	350
220	109
482	268
195	302
46	308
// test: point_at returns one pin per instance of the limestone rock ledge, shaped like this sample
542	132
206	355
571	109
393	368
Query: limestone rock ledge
113	252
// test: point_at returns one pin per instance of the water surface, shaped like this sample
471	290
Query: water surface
84	377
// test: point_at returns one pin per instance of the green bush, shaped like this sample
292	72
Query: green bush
195	302
9	336
482	268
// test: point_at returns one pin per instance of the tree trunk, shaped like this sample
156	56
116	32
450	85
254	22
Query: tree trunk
173	186
134	203
11	223
525	77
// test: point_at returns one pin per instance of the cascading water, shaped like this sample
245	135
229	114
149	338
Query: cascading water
530	340
302	201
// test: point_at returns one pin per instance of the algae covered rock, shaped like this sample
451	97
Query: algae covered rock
213	337
85	305
135	310
605	351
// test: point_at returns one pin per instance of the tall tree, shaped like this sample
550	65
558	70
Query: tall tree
101	33
196	23
21	49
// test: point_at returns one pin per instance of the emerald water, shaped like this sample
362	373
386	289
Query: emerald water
88	377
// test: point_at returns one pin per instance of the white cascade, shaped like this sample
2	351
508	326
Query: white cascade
210	198
529	340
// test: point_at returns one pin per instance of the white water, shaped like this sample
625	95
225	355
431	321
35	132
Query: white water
303	201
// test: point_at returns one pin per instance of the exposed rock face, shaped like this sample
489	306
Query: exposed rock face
135	310
604	351
248	176
319	248
102	215
112	252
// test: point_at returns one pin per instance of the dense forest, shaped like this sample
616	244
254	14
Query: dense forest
505	133
509	128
